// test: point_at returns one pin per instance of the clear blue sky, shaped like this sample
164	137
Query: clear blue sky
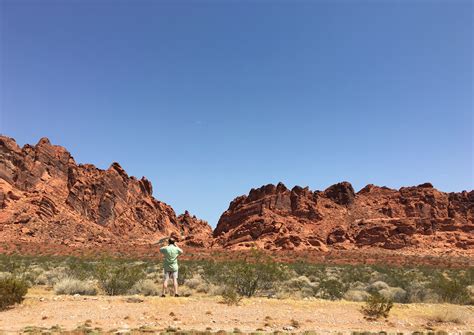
209	99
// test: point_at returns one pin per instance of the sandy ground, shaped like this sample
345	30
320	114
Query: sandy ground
43	309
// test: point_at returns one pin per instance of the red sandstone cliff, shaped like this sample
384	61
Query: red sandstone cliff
274	217
46	197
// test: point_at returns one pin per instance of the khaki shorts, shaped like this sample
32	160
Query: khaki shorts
170	275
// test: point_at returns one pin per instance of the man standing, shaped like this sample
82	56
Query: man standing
170	265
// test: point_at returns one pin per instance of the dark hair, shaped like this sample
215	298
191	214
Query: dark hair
171	241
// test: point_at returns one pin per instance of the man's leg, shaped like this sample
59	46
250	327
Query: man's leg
165	283
175	282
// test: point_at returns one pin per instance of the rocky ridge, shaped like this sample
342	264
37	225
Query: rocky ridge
420	217
46	197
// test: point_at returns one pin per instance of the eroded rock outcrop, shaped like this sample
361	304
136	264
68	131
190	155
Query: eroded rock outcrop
274	217
46	196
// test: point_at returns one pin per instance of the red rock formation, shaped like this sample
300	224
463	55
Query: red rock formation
46	197
274	217
196	232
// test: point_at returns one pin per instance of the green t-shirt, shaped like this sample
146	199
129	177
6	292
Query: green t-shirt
170	261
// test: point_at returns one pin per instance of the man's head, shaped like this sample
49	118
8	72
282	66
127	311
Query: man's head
171	241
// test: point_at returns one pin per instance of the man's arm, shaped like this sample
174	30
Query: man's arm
180	251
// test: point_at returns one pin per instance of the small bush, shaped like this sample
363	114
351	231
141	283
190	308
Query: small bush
146	287
118	279
376	307
356	295
230	296
377	286
12	291
331	289
73	286
203	288
51	277
193	283
395	294
299	283
248	277
451	290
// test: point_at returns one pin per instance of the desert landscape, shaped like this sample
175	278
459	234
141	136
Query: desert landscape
203	167
82	241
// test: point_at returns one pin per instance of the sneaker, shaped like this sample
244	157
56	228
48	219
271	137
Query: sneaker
163	296
176	295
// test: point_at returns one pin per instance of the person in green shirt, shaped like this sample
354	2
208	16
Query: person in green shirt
170	265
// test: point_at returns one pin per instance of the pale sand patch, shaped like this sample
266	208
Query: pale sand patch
43	309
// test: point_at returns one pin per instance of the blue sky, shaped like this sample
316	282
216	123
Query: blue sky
211	98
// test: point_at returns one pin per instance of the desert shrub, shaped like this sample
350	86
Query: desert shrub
299	283
146	287
377	286
249	277
5	275
184	273
376	307
331	289
185	292
357	285
417	292
194	282
52	276
41	279
73	286
203	288
80	269
395	294
356	295
230	296
450	290
118	278
307	269
353	274
12	291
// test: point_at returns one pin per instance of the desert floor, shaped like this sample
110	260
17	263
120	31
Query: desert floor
42	308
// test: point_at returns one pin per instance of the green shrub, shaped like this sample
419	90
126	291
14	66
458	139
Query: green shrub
194	283
73	286
79	268
376	307
395	294
331	289
118	278
251	276
356	295
230	296
248	277
450	290
184	273
12	291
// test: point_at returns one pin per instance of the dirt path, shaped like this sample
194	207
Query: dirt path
43	309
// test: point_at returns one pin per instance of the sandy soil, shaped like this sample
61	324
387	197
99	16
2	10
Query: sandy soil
43	309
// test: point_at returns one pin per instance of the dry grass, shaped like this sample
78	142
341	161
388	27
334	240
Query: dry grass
448	314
